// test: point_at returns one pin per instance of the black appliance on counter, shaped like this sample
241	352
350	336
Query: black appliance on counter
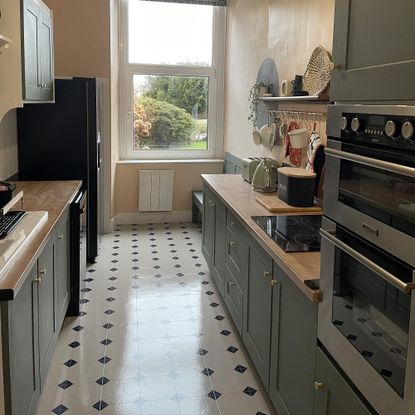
292	233
366	319
61	141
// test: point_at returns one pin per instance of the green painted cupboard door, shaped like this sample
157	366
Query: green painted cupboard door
46	301
218	258
62	274
31	50
46	55
20	342
209	220
257	326
373	47
334	396
293	348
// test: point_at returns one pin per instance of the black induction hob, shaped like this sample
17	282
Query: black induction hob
292	233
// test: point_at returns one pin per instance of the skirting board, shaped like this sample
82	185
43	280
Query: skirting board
153	217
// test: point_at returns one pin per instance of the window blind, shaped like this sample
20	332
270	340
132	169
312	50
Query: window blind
201	2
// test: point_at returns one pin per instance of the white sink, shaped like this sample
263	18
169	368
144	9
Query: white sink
12	244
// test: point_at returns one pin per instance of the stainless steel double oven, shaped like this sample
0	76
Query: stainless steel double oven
367	315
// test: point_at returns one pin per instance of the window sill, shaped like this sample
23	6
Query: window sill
171	161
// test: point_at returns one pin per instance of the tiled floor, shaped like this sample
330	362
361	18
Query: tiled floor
153	338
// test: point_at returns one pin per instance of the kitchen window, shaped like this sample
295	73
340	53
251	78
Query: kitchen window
171	94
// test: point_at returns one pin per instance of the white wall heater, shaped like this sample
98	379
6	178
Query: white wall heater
156	191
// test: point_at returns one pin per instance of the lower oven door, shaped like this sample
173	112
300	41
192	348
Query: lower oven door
372	192
366	318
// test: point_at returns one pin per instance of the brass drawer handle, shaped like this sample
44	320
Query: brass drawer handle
232	284
318	386
274	283
267	274
232	243
233	223
38	280
60	237
334	66
211	203
42	271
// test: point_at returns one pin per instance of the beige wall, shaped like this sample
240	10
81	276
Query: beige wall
82	37
286	31
186	179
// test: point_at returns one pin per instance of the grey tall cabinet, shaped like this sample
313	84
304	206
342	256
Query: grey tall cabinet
373	51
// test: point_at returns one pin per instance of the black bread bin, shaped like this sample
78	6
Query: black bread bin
296	186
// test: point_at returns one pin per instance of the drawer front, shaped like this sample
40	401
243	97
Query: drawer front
234	255
234	299
235	226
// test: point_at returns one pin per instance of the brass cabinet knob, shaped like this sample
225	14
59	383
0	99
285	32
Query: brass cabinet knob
318	386
274	282
42	271
267	274
60	237
211	203
38	280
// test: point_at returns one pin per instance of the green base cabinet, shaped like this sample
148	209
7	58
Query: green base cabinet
213	239
293	348
333	395
20	342
31	322
257	326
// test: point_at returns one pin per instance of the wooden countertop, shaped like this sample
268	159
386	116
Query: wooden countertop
238	196
52	196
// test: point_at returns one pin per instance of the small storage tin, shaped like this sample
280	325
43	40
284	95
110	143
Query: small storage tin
296	186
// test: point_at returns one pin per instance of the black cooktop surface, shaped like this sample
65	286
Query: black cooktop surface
292	233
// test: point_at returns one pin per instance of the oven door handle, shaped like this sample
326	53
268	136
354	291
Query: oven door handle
385	275
375	163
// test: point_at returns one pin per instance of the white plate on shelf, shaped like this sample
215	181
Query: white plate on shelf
256	135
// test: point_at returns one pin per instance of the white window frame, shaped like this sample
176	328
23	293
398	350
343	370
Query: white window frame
215	74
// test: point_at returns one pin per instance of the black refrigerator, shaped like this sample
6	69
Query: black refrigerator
61	141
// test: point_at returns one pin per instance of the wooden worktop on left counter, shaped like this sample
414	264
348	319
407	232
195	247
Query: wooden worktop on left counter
53	197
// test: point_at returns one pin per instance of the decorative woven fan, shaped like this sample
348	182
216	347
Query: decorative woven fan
318	73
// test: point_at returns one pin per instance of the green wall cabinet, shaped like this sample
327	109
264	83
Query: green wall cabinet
31	322
37	50
333	395
293	347
381	67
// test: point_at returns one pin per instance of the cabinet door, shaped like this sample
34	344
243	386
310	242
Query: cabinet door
373	45
31	41
218	258
20	342
334	395
209	219
62	274
257	326
46	300
293	348
46	55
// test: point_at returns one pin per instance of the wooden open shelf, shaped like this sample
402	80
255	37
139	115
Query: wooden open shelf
309	99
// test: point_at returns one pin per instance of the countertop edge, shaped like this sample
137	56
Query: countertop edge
254	231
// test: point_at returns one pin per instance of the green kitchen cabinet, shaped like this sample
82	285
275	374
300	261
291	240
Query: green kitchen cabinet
334	395
293	347
47	310
37	50
20	344
213	239
257	303
373	54
62	270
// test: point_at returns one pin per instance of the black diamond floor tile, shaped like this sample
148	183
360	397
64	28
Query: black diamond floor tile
214	395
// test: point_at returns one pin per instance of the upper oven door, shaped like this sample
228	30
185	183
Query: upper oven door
366	318
368	192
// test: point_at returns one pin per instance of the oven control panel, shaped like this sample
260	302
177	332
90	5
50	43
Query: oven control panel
391	131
